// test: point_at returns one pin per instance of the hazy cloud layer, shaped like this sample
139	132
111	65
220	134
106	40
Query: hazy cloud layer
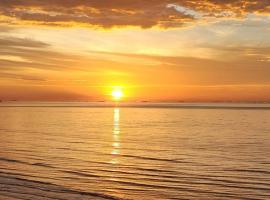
108	13
21	55
34	70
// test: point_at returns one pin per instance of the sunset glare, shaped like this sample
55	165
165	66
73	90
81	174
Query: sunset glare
117	93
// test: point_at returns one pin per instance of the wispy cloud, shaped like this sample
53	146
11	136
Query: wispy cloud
186	11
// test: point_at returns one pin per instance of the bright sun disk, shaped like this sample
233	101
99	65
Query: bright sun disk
117	93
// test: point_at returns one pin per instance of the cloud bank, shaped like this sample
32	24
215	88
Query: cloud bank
122	13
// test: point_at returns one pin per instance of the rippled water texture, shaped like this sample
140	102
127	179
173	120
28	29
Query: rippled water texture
134	153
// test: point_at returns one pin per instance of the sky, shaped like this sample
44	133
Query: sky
155	50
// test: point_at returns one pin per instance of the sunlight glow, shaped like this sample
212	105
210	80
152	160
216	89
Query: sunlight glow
117	93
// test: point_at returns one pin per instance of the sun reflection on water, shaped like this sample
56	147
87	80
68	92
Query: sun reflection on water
116	136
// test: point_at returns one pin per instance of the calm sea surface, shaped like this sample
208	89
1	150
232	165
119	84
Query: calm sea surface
82	151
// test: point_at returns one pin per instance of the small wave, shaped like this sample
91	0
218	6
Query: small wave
49	190
12	160
154	159
43	165
26	163
80	173
250	171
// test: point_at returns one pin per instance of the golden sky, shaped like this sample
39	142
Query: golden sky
156	50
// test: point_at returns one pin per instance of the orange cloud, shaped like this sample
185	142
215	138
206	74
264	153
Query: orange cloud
118	13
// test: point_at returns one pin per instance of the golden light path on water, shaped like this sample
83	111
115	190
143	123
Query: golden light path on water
116	136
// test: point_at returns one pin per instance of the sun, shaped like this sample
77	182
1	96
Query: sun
117	93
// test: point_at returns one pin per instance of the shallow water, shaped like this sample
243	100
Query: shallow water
134	152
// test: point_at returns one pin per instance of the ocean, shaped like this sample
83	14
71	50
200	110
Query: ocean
134	151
